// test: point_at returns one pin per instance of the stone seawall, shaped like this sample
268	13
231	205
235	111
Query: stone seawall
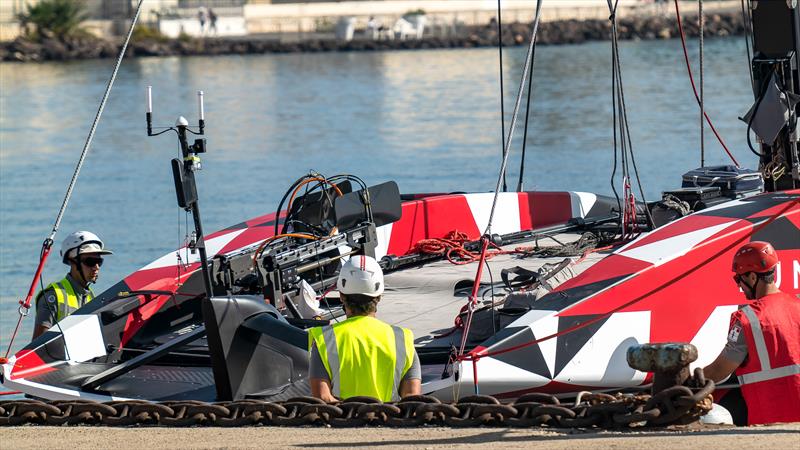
556	32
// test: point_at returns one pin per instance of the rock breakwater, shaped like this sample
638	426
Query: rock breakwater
550	33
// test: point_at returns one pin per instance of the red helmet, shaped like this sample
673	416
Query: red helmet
756	256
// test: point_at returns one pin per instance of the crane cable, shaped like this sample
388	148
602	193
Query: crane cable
694	87
701	26
502	101
520	183
626	143
748	39
48	242
501	176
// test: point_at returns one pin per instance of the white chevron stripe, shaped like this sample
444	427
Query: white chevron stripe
582	202
384	233
665	250
506	215
710	338
212	247
602	360
495	376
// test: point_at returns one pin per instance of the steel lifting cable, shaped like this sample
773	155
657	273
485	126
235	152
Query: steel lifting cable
624	119
48	242
520	184
515	114
623	205
694	87
502	101
627	207
747	39
500	178
620	127
475	356
702	26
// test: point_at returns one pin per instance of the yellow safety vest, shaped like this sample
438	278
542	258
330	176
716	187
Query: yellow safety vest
66	298
364	356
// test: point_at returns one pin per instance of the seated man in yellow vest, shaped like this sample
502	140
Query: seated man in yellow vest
362	356
82	251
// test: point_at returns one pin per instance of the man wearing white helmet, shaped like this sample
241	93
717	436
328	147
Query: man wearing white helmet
362	356
82	251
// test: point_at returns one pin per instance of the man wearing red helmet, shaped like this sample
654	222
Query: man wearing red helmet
763	345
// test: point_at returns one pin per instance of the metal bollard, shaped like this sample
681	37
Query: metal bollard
669	362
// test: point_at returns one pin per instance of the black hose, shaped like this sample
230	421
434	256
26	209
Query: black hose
285	196
762	93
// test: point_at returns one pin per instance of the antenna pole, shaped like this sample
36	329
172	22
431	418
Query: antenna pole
183	174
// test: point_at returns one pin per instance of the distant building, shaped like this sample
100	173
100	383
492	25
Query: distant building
103	16
107	16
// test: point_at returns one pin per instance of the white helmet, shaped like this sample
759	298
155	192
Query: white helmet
361	275
83	242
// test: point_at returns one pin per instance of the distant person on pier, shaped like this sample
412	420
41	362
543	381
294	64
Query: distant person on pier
763	345
212	21
83	251
202	16
362	356
372	28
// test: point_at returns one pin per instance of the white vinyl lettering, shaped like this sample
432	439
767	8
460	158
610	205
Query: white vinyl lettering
778	275
796	274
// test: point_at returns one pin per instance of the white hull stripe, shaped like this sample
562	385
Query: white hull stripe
758	337
771	374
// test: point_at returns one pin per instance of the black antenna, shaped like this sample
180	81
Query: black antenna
149	113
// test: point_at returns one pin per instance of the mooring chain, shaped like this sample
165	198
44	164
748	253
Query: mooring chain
674	405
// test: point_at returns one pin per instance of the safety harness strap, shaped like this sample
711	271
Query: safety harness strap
72	298
333	358
60	300
758	338
400	360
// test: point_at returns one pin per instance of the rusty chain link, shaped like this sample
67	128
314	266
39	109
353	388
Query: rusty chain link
674	405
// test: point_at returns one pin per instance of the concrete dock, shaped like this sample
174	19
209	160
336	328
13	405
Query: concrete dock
33	437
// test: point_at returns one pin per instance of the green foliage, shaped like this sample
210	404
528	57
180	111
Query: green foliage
59	18
415	12
324	25
146	33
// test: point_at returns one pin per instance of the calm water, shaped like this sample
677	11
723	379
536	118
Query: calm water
427	119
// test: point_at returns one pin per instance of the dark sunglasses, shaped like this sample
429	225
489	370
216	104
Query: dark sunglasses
91	262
